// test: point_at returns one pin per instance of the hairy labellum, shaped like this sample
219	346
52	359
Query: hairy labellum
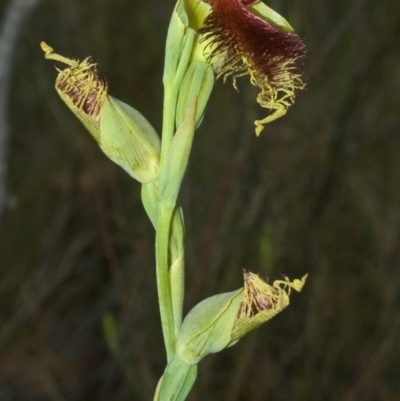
84	86
82	89
262	301
240	43
257	296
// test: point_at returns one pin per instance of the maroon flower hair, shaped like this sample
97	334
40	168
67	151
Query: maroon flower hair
240	43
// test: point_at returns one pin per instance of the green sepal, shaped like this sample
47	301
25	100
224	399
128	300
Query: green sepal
177	381
196	12
178	49
129	140
149	196
174	44
178	158
270	16
197	82
177	280
207	327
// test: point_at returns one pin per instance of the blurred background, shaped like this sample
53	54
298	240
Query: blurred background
318	192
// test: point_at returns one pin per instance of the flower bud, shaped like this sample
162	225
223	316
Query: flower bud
122	133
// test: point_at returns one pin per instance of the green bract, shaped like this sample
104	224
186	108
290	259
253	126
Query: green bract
177	381
197	11
178	157
187	74
270	16
197	83
177	36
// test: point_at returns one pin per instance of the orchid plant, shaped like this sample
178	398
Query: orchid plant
207	39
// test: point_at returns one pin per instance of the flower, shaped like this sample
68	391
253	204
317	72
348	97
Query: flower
220	321
245	37
122	133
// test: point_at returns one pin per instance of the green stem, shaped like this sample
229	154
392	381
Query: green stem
164	216
168	129
165	211
163	283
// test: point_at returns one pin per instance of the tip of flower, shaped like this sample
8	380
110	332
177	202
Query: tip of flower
79	85
257	296
262	301
240	43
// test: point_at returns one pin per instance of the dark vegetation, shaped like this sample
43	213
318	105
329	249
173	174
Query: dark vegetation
318	192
